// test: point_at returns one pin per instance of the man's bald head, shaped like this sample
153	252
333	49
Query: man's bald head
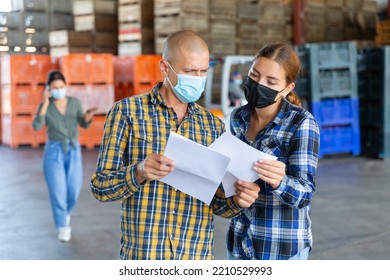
181	41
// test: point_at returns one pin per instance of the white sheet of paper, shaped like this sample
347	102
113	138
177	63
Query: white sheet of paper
198	170
242	158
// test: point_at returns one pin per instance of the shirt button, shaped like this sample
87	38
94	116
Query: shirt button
173	212
150	139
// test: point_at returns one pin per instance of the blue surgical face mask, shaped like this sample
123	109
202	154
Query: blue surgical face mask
58	93
237	82
188	88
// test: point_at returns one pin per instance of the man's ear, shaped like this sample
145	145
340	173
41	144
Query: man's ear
163	68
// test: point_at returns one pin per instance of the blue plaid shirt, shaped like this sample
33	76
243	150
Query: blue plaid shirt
278	225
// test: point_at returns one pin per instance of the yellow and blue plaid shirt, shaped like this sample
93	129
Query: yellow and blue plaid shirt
157	221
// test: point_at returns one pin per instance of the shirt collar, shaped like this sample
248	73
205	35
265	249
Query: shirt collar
157	99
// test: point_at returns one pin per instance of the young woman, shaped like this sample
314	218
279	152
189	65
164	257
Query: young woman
277	225
62	162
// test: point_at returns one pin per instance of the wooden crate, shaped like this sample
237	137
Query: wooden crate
70	38
173	7
222	29
335	17
248	30
135	31
100	7
105	39
105	23
167	25
223	9
59	51
272	12
135	47
138	12
335	3
248	11
248	46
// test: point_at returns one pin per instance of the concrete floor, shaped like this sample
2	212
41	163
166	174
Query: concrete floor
350	212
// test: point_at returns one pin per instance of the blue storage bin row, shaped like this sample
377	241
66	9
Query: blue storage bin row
333	55
339	139
336	111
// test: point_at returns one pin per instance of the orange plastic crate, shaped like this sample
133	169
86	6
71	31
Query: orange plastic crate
97	130
26	69
17	69
138	73
91	68
44	64
17	130
20	99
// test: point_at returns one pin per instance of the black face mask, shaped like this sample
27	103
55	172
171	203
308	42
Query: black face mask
259	96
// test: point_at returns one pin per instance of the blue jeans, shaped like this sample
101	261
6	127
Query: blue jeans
63	175
304	255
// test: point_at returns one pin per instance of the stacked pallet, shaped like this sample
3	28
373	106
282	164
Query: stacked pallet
382	33
22	82
334	96
99	17
334	20
136	33
341	20
374	97
247	27
174	15
315	19
90	78
222	35
25	29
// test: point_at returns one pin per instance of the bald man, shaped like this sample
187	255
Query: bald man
159	222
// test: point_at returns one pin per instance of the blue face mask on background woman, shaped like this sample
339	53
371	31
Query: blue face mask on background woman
58	93
188	88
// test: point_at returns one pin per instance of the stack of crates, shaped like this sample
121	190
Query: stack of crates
174	15
23	79
374	96
25	29
136	74
135	28
334	96
90	78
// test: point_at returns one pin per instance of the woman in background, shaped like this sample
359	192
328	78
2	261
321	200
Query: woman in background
62	161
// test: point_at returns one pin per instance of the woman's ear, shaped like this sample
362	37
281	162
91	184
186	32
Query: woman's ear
289	88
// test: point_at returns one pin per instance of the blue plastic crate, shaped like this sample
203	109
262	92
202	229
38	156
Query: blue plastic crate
339	139
336	111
